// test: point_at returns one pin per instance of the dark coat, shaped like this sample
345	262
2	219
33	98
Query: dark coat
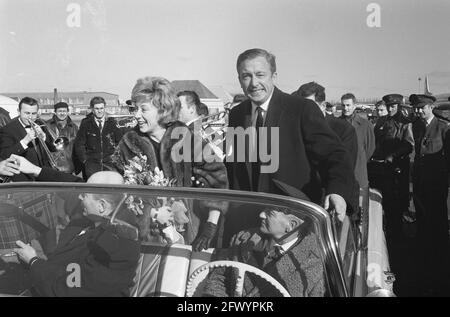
432	154
393	136
135	142
346	134
366	147
64	158
107	261
300	269
10	136
306	145
430	184
93	148
4	117
431	143
432	160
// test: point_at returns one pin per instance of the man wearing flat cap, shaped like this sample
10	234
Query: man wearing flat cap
394	143
62	126
430	181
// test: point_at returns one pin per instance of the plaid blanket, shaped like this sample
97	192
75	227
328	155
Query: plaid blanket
37	205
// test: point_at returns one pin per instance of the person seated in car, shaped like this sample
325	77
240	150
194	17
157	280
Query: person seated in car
284	247
11	229
93	257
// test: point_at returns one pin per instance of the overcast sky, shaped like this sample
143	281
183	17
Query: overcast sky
327	41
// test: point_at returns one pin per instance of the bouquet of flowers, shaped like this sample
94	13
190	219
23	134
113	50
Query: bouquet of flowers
160	217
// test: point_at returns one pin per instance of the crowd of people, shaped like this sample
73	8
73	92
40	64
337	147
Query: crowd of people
329	155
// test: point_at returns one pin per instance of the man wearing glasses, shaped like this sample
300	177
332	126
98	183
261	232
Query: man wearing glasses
96	140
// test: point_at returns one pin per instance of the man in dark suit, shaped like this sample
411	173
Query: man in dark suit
18	137
302	142
284	247
96	139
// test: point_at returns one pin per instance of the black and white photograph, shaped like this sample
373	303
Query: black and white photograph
224	149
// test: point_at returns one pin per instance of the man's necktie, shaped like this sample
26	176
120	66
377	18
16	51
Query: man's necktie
100	126
259	117
256	165
276	252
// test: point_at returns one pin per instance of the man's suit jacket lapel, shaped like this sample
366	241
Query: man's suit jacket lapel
247	119
276	107
246	122
18	130
431	127
73	237
95	127
274	111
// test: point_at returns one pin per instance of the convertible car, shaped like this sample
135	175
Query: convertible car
353	259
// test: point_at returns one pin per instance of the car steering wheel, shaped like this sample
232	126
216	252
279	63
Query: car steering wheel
200	273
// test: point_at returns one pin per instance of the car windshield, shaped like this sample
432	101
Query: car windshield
50	218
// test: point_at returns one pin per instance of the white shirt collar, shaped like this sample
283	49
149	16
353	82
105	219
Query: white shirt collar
23	125
429	120
287	245
102	120
264	107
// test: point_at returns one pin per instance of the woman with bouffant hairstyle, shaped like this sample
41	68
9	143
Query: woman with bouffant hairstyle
157	116
160	93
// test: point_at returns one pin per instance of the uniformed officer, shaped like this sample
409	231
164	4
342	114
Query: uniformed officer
394	142
430	184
